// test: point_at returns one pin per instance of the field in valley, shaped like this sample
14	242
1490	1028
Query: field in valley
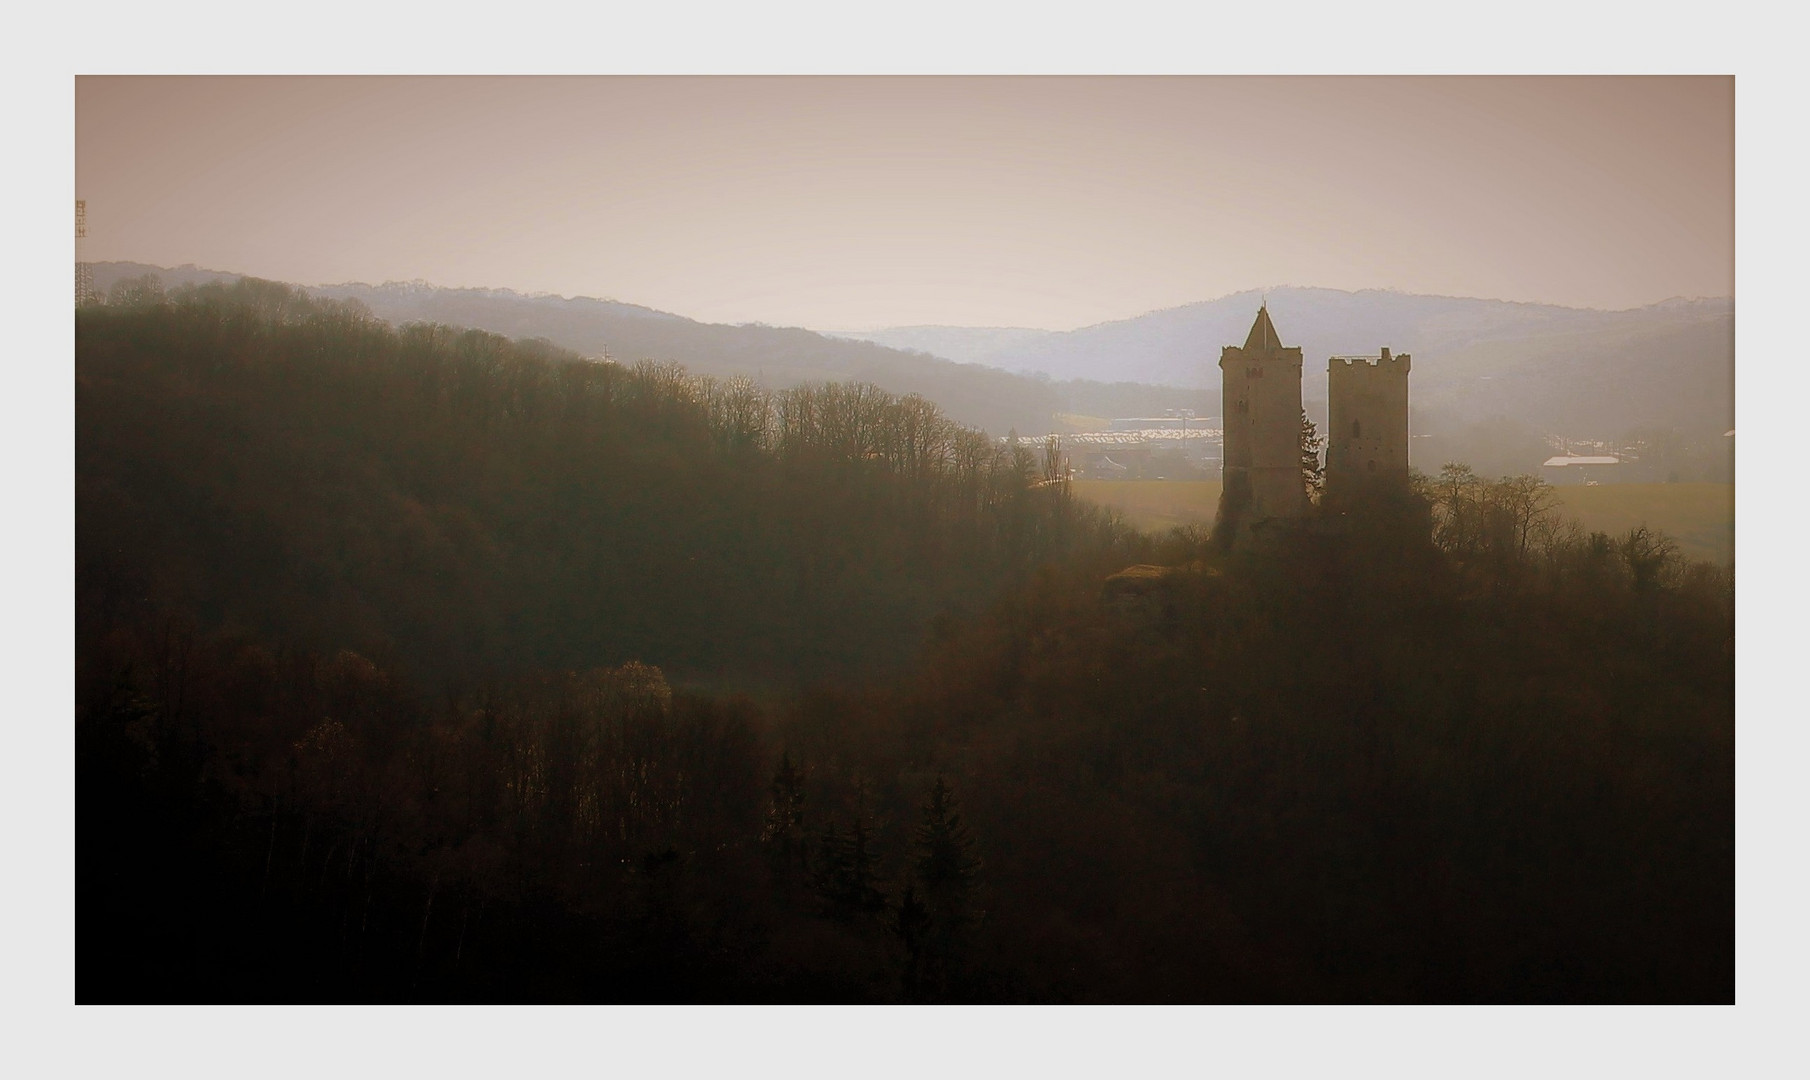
1700	517
1156	505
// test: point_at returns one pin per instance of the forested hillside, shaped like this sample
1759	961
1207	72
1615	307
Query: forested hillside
297	468
420	664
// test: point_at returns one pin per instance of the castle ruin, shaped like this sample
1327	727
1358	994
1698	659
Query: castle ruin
1367	429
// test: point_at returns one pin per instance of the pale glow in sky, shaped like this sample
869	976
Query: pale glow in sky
845	203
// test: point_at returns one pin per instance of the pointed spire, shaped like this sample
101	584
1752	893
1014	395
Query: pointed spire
1263	332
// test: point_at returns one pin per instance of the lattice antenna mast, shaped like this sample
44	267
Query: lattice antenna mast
84	274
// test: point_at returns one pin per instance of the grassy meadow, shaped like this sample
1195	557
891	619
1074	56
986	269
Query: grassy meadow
1700	517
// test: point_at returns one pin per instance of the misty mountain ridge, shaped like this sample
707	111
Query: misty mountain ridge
1668	362
1541	368
1006	346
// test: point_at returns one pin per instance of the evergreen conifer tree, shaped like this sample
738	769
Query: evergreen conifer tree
783	829
847	868
946	864
947	870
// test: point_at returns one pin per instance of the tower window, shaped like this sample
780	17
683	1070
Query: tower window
1373	466
1357	429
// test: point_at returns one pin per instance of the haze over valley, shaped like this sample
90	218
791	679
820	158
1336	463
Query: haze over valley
1554	367
1493	379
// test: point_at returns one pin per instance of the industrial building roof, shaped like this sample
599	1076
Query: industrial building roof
1564	460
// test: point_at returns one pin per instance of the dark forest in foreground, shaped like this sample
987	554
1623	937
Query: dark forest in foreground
423	665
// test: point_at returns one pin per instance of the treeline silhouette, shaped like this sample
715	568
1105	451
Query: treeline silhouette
1434	746
776	357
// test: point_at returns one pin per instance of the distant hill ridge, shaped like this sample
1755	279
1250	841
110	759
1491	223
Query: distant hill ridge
1170	344
1548	368
1010	345
1669	362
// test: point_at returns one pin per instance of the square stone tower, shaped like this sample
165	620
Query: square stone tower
1367	422
1261	388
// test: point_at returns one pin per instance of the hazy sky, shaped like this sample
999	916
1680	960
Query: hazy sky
845	203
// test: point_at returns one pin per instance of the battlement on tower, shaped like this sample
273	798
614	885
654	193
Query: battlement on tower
1394	364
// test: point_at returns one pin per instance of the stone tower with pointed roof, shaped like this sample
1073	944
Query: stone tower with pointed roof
1261	390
